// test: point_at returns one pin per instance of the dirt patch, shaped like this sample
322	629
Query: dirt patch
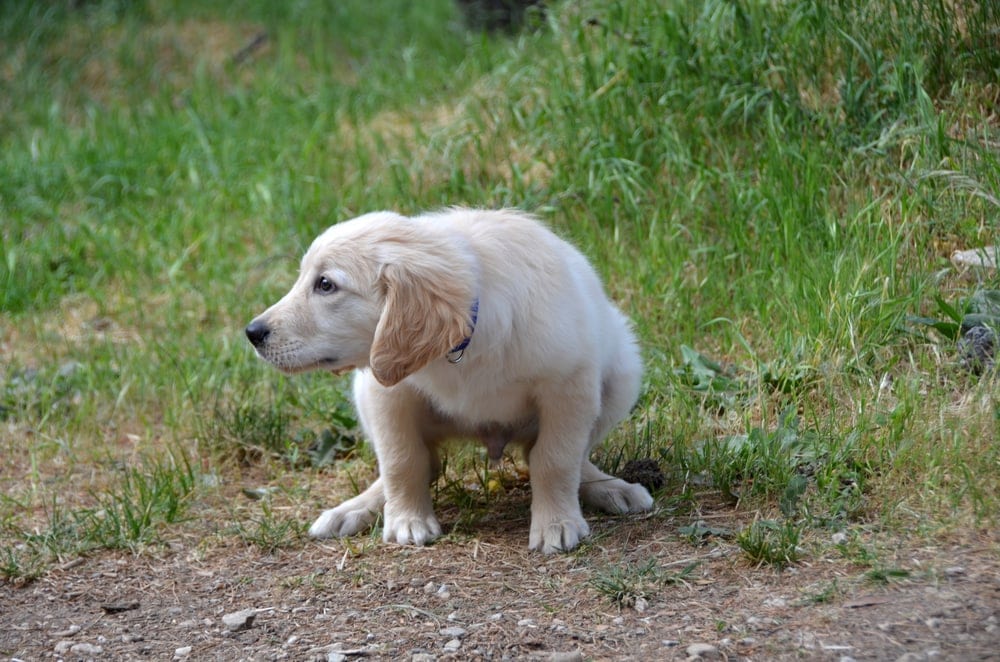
483	595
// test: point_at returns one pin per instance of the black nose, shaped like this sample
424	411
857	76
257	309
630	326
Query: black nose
257	332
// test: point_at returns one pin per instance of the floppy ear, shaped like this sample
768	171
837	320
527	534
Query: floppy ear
426	314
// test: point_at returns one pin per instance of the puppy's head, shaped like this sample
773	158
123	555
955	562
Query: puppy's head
379	292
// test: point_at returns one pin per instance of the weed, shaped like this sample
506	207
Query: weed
770	542
886	575
130	513
626	584
269	532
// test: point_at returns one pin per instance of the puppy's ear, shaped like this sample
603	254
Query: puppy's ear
426	314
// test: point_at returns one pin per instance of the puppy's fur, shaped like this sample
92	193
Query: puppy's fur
550	363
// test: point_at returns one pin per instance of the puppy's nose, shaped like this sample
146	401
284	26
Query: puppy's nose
257	332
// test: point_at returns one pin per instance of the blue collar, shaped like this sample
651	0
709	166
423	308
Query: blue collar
459	349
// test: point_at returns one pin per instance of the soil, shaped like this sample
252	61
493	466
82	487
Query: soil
638	590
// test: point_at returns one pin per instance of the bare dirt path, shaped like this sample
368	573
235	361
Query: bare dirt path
487	597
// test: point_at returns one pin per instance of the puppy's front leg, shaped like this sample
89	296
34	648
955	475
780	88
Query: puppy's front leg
393	419
405	466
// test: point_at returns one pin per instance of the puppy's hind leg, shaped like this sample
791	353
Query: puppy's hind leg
619	391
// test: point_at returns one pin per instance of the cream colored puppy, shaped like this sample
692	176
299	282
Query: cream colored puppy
463	324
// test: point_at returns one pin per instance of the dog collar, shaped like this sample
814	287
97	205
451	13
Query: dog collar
458	351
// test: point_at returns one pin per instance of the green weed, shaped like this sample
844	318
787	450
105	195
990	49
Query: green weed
770	542
624	585
269	532
130	514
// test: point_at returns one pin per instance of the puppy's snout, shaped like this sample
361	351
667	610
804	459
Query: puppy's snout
257	332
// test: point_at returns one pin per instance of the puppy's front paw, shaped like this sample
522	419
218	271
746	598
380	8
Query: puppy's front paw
410	528
616	496
557	533
346	519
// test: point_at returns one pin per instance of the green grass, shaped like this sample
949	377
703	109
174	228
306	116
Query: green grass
771	191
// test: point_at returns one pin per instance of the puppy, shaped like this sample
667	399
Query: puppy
463	324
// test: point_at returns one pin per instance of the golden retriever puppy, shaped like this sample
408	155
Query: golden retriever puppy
463	324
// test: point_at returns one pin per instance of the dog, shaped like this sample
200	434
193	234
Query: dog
467	324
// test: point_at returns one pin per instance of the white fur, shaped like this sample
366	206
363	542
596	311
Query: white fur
551	364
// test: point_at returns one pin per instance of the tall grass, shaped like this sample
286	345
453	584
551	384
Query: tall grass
776	186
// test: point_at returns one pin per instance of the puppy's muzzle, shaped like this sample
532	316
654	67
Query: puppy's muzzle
257	332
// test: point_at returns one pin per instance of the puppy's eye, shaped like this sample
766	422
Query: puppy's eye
324	285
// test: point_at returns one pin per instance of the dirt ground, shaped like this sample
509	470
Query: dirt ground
482	595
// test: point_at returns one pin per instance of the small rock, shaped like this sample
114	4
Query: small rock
63	647
183	651
443	592
239	620
526	623
839	538
703	652
69	368
984	258
453	632
640	605
422	657
85	649
68	632
453	645
334	656
954	571
568	656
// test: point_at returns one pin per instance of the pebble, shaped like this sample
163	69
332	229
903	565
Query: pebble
68	632
703	651
239	620
983	258
183	651
85	649
568	656
422	657
453	632
453	645
334	656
